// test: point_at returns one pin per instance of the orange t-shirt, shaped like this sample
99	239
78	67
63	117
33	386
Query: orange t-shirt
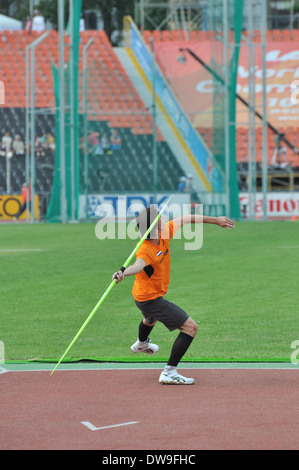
153	280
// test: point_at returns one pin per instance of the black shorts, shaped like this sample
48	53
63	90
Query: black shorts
164	311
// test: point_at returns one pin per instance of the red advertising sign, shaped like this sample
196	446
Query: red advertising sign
193	84
279	205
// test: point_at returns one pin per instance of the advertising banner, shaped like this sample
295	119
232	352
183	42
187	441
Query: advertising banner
193	84
10	206
280	205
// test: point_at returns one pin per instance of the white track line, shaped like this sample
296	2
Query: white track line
94	428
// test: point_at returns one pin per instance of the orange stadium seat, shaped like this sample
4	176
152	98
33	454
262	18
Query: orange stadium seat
193	35
166	35
157	35
295	34
147	35
287	35
276	35
179	35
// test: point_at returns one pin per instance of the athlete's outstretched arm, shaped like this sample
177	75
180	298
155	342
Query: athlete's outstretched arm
135	268
199	219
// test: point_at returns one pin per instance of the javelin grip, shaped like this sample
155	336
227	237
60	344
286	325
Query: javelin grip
122	270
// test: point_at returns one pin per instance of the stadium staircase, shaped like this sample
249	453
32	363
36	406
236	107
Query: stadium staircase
162	118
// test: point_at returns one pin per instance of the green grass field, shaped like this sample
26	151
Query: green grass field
241	288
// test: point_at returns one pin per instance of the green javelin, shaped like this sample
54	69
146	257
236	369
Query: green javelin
111	285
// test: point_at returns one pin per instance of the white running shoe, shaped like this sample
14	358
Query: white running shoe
172	377
145	347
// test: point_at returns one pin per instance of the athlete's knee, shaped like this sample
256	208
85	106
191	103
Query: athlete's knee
148	324
194	328
189	327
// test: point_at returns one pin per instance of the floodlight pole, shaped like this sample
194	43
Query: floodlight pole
251	118
72	110
264	121
63	217
227	105
30	122
154	113
85	70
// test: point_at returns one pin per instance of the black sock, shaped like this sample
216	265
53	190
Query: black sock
144	331
179	348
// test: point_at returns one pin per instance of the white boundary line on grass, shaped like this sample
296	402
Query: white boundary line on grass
20	250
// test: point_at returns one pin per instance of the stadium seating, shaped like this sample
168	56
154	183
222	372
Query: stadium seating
109	87
113	103
180	35
132	167
13	120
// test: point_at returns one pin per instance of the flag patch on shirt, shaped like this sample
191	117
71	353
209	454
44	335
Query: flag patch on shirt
159	253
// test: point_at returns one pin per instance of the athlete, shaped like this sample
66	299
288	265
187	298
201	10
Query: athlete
152	272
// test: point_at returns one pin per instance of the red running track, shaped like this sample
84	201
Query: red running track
225	409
